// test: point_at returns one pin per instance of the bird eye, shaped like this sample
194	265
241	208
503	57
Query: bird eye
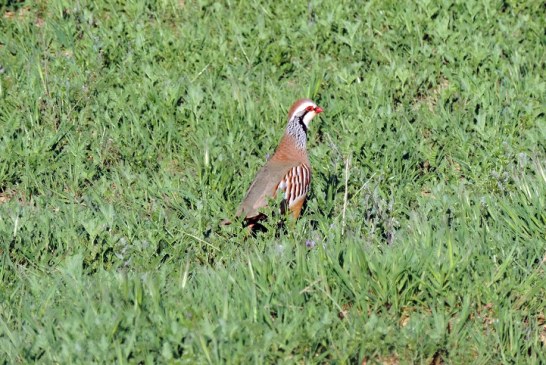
310	108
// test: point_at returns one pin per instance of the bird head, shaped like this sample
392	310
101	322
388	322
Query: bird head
304	109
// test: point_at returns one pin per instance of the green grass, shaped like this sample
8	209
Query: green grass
129	131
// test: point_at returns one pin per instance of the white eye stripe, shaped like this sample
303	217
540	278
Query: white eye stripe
304	107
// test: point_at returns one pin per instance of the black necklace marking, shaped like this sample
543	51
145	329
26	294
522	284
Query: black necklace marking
301	123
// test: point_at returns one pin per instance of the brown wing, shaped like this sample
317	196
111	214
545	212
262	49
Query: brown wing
264	186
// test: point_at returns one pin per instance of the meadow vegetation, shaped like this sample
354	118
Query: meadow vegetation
129	130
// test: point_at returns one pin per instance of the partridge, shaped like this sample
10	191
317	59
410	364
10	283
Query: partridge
288	171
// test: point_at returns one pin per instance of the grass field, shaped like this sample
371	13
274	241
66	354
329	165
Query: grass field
128	131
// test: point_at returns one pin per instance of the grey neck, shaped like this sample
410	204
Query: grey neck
298	130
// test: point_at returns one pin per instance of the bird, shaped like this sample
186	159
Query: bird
287	171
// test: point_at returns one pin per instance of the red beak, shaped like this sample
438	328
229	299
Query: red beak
318	109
